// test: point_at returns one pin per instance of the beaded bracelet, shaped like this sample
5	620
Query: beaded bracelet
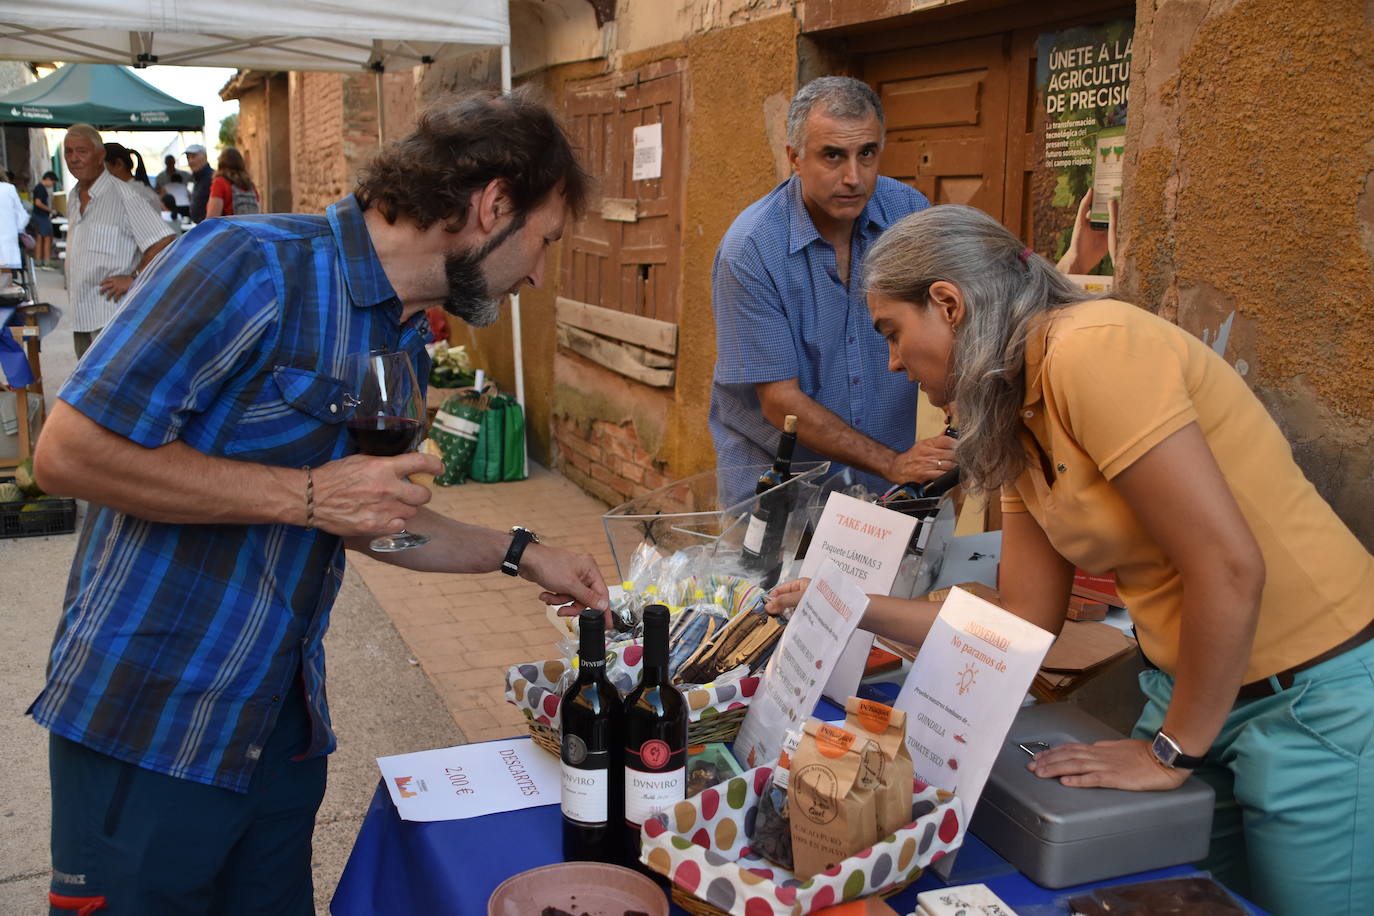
309	500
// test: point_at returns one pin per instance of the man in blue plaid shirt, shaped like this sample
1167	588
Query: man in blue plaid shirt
793	335
185	692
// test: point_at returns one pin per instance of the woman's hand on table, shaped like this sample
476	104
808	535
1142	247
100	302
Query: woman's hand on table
1126	764
781	601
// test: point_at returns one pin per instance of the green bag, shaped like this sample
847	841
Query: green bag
455	430
500	451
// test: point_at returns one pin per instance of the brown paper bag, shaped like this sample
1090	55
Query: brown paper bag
886	727
830	806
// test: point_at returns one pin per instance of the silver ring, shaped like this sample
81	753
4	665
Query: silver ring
939	464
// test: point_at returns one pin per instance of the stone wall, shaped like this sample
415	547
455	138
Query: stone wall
1249	211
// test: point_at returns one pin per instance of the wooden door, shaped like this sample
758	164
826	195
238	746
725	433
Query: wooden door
591	249
946	108
624	254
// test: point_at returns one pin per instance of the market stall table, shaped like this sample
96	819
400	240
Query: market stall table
452	867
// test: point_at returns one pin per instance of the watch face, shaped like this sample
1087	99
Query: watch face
1165	749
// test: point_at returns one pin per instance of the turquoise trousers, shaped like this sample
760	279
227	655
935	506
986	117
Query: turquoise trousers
1293	829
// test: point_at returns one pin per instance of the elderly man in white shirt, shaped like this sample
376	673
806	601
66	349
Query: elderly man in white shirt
112	235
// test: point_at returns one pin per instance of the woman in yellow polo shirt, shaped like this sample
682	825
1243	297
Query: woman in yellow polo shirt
1122	443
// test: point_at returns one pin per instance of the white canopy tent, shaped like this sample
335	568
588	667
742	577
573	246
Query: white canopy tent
258	34
328	35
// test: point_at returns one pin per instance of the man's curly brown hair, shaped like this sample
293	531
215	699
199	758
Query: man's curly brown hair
462	144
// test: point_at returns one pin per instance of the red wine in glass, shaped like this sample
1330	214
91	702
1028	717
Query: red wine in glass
386	419
385	435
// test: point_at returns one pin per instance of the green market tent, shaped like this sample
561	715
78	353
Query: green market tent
106	96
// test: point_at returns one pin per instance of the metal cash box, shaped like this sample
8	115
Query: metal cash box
1059	836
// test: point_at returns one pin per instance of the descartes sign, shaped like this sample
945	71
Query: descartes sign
1083	74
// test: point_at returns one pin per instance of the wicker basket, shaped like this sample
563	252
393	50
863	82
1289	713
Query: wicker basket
722	727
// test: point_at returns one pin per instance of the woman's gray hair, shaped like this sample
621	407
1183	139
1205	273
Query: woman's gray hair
845	98
1005	286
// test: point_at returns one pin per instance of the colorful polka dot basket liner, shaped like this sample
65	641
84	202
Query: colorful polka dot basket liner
702	845
716	710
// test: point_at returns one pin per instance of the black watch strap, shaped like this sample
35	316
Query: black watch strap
520	539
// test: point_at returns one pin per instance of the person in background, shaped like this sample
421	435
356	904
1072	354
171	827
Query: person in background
13	220
202	176
207	427
112	236
792	335
40	224
1122	443
170	173
119	161
232	192
180	194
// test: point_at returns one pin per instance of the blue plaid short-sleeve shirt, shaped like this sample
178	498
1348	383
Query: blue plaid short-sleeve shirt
782	312
178	643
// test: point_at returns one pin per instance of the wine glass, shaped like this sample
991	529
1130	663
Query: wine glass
388	414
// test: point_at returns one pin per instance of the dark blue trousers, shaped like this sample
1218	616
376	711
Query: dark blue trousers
130	842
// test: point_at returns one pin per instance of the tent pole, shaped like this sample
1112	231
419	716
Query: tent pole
381	111
515	303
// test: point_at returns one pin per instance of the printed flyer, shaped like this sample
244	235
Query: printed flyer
452	783
964	689
822	623
867	543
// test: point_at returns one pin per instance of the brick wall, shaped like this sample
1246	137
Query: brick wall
606	459
319	175
334	130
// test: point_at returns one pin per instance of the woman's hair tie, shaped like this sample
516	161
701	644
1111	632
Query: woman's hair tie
1025	253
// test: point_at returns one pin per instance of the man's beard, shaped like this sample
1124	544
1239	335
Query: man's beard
469	297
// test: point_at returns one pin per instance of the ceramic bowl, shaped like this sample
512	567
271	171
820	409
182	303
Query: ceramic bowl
590	888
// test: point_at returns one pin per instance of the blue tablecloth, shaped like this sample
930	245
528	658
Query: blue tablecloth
452	867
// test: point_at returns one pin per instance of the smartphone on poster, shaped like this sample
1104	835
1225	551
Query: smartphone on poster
1109	146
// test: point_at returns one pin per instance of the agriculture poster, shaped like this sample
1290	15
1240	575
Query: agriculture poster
1082	75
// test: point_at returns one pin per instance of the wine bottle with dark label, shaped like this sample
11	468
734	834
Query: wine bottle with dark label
768	523
655	735
591	721
905	492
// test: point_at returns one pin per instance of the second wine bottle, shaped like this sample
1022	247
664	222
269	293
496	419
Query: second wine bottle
655	735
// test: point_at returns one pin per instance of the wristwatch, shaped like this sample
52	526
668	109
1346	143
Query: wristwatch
520	539
1167	752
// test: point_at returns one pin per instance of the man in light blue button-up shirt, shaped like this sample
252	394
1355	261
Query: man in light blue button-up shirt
793	335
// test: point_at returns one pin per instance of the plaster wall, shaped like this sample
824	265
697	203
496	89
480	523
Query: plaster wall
640	26
741	81
254	137
1248	212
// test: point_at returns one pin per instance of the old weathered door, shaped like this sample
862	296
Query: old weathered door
946	108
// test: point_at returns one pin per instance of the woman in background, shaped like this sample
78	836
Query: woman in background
119	162
232	192
41	221
1122	443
